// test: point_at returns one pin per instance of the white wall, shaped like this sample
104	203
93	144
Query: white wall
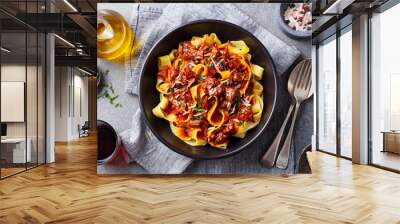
61	103
71	103
80	110
33	126
12	73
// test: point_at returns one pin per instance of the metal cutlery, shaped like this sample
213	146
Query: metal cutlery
301	91
268	160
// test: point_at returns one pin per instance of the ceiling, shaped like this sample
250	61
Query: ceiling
72	20
330	16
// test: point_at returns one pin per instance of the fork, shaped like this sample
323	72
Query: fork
301	92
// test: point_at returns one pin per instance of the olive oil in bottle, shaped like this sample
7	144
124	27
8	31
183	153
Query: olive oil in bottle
114	36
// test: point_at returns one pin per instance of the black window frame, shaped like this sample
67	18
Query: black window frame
333	37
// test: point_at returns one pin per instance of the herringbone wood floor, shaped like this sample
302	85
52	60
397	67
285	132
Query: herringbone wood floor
69	191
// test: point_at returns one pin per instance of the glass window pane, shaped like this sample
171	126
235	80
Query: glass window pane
31	98
23	84
385	84
13	86
346	94
327	96
41	99
32	88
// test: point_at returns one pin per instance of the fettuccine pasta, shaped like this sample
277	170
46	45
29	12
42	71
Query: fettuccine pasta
209	91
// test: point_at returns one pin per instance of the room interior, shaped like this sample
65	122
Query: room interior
25	91
22	102
335	66
48	116
385	88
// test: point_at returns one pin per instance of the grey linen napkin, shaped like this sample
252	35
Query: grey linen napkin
143	147
142	24
149	152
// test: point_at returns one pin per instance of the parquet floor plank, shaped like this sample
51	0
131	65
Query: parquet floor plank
70	191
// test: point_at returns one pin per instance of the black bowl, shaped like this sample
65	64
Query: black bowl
149	97
286	28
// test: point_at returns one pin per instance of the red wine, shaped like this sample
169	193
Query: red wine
106	140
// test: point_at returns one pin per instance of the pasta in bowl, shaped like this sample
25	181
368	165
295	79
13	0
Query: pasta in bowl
208	108
209	91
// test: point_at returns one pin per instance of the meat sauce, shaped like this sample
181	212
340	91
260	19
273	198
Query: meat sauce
194	112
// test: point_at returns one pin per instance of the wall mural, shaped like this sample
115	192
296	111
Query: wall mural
204	88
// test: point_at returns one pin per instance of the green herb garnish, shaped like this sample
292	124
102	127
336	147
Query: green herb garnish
236	100
109	95
199	110
202	78
197	118
199	107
